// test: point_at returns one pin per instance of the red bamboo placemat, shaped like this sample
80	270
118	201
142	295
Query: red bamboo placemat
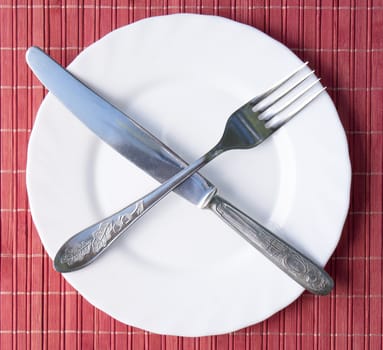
342	39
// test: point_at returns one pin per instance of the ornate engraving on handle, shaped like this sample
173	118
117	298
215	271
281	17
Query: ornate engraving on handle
100	238
281	253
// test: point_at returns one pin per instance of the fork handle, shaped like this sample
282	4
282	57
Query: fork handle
299	267
87	245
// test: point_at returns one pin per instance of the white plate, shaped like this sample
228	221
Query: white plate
181	270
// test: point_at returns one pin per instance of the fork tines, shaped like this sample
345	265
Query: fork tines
274	101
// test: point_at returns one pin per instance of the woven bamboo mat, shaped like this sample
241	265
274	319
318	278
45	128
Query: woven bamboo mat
342	39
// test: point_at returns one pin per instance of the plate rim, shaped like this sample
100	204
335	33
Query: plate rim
347	158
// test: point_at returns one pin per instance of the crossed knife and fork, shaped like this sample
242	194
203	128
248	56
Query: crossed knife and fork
246	128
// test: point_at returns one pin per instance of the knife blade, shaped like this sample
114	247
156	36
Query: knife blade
142	148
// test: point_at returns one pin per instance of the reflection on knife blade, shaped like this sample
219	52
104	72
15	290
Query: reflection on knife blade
142	148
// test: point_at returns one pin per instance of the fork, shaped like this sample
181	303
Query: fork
246	128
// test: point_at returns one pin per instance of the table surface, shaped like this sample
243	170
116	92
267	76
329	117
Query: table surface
342	40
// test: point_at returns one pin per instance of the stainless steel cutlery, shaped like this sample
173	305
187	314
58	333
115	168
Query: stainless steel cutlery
247	127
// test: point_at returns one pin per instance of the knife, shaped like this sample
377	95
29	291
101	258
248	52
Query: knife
143	149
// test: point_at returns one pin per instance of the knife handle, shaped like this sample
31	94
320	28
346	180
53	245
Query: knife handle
299	267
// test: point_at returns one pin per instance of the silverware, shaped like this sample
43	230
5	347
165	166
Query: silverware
135	143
